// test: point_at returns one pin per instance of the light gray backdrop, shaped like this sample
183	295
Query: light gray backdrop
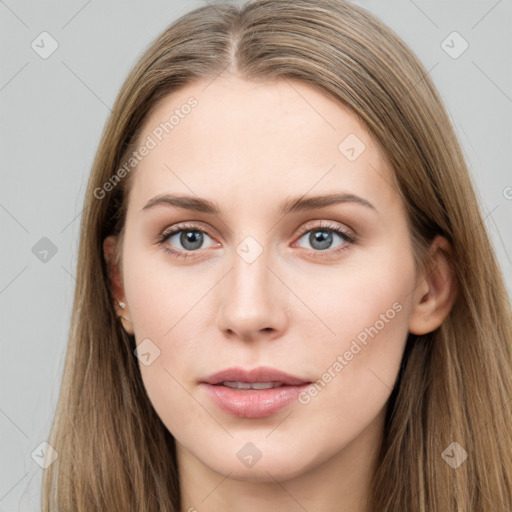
54	103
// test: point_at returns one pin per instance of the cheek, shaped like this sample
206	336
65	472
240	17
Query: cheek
368	309
154	290
162	323
166	306
371	292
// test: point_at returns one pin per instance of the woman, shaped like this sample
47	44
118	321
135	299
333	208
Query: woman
286	297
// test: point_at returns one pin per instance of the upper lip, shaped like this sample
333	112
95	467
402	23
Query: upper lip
260	374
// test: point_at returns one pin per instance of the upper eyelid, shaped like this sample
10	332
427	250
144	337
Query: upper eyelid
320	224
190	225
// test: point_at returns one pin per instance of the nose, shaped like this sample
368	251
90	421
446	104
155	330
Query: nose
252	300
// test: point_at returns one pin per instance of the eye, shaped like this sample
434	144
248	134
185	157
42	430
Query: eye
322	237
189	236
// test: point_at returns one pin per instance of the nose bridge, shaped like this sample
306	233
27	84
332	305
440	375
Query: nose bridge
250	299
249	281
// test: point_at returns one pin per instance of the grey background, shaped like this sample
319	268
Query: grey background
53	111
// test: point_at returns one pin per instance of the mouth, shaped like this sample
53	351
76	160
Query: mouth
251	385
256	393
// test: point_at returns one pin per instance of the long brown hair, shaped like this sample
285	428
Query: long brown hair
454	385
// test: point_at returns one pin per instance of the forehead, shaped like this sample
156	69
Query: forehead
233	138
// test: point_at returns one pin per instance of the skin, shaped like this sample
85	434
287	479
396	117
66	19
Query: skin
248	147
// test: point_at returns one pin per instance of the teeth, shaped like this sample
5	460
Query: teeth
265	385
252	385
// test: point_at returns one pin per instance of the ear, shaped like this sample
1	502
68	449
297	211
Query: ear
116	283
436	290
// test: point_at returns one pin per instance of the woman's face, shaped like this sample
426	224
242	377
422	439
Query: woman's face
266	281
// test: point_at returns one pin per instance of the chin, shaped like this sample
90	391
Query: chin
267	471
259	462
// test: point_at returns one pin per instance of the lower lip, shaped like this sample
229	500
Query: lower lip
253	403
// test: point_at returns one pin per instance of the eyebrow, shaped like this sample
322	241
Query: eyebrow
297	204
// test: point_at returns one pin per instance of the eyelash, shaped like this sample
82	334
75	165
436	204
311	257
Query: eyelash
349	238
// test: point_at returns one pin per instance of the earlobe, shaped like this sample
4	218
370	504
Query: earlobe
436	291
116	283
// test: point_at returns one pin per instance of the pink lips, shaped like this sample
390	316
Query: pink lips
253	403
